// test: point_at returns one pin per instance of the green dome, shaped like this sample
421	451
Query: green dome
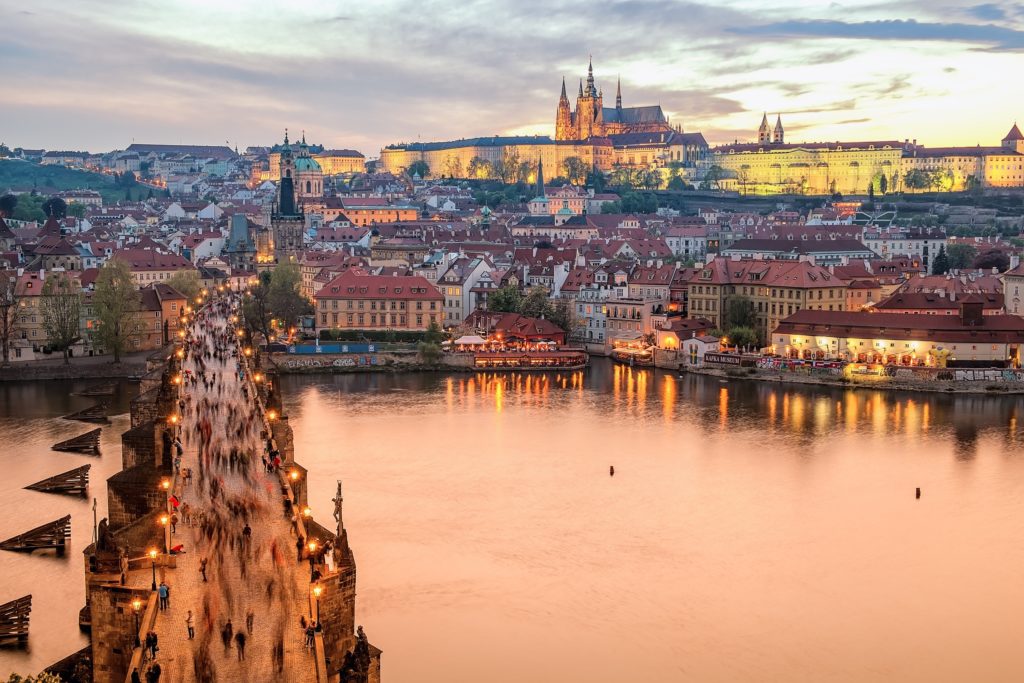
306	164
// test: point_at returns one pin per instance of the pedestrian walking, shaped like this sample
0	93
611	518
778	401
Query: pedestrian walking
249	617
163	592
240	643
135	676
202	568
190	625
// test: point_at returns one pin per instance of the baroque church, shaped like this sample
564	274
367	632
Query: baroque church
301	179
592	119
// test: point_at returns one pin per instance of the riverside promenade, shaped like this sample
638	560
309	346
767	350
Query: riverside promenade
210	509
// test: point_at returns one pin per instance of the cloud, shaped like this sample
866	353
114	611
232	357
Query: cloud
849	121
987	12
996	37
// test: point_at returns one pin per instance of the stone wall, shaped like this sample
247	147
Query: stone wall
133	494
338	613
113	630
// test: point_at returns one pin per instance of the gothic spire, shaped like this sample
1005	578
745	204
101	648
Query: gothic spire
591	88
618	93
563	97
581	87
540	178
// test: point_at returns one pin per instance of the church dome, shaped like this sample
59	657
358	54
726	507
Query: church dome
307	164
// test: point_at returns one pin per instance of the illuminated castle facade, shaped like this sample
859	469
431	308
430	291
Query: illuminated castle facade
592	119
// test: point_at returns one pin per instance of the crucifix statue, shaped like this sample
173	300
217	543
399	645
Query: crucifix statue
337	509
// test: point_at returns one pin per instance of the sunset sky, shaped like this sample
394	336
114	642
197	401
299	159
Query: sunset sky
98	74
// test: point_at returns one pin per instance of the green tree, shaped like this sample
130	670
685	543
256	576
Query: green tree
479	168
993	258
508	299
285	296
430	348
10	302
596	180
187	282
8	203
76	210
742	336
61	306
420	168
916	179
575	170
563	314
713	178
29	208
739	312
676	183
883	184
940	265
960	256
55	207
871	191
535	304
117	304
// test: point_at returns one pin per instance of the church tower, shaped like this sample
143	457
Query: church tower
563	118
1014	140
590	109
764	133
618	94
287	220
780	134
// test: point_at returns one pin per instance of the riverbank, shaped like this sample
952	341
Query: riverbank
132	366
990	385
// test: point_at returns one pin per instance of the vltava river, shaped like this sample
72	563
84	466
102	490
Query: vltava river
751	532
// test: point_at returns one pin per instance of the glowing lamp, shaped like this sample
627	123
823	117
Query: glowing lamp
248	352
271	415
306	511
173	419
164	519
136	604
152	553
165	484
312	546
294	474
317	590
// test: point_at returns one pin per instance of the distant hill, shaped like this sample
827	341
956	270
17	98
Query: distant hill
21	176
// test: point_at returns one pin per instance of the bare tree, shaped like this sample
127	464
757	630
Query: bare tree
117	303
61	305
9	308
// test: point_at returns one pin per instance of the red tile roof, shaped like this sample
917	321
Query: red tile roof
350	285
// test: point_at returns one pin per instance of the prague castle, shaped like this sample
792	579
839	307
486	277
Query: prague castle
602	138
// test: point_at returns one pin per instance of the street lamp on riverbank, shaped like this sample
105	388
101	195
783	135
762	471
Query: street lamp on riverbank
317	590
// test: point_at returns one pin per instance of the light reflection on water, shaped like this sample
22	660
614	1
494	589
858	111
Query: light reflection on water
751	531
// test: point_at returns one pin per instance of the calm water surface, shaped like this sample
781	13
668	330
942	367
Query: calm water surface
30	422
750	533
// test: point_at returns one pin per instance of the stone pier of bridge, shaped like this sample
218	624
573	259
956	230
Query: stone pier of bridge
289	571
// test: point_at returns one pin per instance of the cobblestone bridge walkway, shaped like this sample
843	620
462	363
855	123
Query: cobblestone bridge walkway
258	573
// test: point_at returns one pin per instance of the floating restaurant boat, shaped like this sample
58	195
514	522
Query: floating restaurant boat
554	359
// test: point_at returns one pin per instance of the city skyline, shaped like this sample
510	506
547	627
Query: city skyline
367	77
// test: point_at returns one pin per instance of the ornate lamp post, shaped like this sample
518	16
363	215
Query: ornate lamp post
152	556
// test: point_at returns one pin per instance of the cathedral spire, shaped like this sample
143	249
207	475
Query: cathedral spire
591	88
618	93
581	87
563	97
286	136
540	178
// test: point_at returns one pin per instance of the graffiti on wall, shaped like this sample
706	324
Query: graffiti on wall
351	361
